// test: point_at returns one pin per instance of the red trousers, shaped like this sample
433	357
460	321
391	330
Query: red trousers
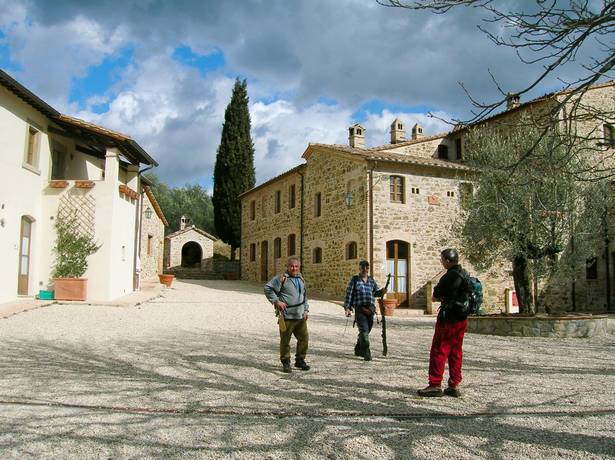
446	345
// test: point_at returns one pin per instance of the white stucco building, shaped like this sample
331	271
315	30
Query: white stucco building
50	161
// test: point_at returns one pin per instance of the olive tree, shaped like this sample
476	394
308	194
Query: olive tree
529	212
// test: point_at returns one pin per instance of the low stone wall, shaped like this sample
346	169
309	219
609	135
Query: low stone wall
576	326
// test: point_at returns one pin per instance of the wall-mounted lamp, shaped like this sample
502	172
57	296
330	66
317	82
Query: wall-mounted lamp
348	199
148	212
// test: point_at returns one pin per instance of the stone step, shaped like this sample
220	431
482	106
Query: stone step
409	312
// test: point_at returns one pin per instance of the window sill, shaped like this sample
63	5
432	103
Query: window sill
58	184
31	168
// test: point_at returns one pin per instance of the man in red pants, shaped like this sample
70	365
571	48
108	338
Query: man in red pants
452	290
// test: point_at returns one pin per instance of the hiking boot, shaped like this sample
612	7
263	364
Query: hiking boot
452	391
357	350
430	392
301	364
286	367
368	355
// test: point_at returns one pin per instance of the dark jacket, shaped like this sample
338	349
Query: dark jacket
452	291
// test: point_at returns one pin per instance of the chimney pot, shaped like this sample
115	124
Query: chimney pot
512	100
417	132
356	136
398	131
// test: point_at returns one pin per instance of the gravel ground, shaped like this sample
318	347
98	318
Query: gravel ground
195	374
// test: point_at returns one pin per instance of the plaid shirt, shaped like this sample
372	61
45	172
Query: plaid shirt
361	293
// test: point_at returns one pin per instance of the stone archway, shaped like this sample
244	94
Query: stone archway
192	254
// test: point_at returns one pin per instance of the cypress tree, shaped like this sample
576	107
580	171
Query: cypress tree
234	170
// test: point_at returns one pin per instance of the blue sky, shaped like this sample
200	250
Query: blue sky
162	71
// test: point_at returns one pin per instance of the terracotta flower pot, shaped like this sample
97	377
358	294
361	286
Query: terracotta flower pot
165	279
387	306
70	288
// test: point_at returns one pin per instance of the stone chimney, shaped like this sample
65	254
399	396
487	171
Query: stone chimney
184	222
512	100
356	136
398	131
417	132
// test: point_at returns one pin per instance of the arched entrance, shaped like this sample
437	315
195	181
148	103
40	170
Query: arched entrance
397	265
191	254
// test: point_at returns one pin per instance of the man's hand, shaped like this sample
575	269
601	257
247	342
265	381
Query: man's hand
305	315
347	311
280	305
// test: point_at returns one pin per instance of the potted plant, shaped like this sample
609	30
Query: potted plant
166	279
73	247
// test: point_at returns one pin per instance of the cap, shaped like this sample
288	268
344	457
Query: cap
364	263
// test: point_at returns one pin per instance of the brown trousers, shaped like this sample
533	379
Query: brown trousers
298	328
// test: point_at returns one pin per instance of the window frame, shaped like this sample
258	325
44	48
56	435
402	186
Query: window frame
291	238
317	255
397	189
318	204
351	250
278	201
608	131
591	269
252	252
291	196
32	148
442	152
277	248
252	209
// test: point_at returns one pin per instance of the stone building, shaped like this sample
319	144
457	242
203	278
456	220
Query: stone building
393	205
189	247
153	222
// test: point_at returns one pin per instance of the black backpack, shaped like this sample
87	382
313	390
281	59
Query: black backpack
470	299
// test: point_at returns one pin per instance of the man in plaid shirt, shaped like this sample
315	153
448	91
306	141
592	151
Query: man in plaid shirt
360	297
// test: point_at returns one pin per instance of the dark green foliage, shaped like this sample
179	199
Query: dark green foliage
73	247
234	171
191	200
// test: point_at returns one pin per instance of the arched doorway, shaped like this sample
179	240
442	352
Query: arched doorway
191	254
397	265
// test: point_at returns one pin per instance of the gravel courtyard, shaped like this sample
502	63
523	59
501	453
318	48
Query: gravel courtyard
194	373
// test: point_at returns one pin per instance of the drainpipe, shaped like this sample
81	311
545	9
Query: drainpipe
370	218
301	220
240	237
608	276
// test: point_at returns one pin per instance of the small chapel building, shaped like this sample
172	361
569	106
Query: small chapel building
188	248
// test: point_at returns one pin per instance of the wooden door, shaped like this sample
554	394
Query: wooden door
24	256
264	261
397	266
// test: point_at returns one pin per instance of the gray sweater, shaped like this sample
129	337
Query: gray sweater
295	299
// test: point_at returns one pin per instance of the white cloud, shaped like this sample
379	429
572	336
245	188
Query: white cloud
51	56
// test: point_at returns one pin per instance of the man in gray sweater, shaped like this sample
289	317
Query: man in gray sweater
288	295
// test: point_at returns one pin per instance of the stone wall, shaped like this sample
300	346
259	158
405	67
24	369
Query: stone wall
425	149
152	243
425	219
267	226
539	326
338	225
174	244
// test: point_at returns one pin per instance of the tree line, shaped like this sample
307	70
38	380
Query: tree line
190	200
